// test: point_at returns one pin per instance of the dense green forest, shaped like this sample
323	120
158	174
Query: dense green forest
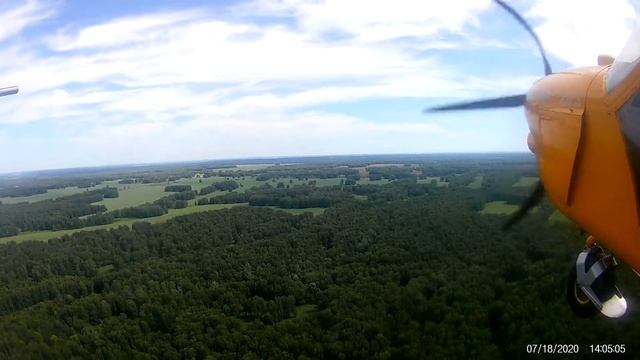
401	270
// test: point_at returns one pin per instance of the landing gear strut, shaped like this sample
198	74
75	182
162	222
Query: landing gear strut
592	285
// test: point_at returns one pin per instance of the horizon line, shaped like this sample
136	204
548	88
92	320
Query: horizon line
243	159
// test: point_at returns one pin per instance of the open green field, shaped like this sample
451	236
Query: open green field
45	235
133	195
429	179
558	217
138	194
252	166
198	183
365	181
250	182
245	167
327	182
306	309
526	181
51	194
130	194
385	165
476	183
498	208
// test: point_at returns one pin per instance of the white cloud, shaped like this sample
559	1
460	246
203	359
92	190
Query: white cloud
374	20
577	31
188	84
122	31
15	19
204	52
163	60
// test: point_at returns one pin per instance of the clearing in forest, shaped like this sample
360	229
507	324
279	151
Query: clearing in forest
498	208
476	183
437	179
526	181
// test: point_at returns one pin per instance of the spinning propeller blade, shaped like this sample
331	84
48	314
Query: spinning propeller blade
505	102
525	24
501	102
534	199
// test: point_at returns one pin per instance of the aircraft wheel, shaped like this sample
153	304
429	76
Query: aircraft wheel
577	299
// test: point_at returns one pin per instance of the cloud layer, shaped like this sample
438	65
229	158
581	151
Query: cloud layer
258	78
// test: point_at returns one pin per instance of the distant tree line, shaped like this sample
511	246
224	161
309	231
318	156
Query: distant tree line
230	198
226	185
177	188
17	188
142	211
296	197
300	172
390	172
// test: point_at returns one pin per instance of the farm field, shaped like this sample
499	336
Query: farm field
249	182
50	194
133	195
366	180
498	208
526	181
327	182
172	213
253	166
429	179
198	183
384	165
476	183
136	194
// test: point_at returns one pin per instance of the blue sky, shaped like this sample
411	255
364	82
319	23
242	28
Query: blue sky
116	82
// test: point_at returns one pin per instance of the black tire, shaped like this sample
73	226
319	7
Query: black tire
578	301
